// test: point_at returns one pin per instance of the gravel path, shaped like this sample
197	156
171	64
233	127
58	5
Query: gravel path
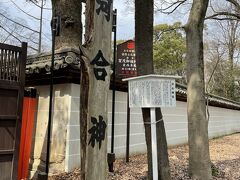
225	156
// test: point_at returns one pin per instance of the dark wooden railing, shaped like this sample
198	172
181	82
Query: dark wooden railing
12	81
10	62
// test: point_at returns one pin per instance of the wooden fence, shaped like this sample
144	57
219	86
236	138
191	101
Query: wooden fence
12	80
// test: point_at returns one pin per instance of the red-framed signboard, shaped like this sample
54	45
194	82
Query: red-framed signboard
126	61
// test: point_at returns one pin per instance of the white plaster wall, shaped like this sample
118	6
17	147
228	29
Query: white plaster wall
222	121
175	120
73	135
137	137
66	128
60	119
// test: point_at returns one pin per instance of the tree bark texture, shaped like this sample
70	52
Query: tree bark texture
199	159
144	57
144	36
70	12
163	161
95	80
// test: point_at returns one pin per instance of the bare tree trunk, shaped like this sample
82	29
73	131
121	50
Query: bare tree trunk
95	80
199	159
71	24
163	161
95	76
144	56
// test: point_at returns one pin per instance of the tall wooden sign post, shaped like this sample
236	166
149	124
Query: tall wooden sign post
95	80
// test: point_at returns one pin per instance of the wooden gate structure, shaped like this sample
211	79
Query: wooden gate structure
12	81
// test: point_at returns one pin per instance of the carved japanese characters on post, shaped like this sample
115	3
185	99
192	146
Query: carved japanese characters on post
97	131
105	7
95	81
100	62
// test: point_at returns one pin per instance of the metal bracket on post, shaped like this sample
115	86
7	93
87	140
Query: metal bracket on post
56	25
154	144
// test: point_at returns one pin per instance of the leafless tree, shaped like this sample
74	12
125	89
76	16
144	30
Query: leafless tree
226	38
29	34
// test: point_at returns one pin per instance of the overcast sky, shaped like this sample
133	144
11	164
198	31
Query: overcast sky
125	25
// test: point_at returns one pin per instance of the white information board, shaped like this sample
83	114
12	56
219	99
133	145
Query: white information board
152	92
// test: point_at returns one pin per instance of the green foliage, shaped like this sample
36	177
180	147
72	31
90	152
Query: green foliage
215	170
221	83
169	49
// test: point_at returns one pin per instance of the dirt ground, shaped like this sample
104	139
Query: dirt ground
225	156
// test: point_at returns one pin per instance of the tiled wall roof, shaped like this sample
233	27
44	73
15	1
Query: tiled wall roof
40	64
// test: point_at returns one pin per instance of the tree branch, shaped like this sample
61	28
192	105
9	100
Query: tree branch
33	48
10	34
172	6
167	30
24	11
24	37
46	36
235	3
19	23
215	16
7	36
223	19
38	5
